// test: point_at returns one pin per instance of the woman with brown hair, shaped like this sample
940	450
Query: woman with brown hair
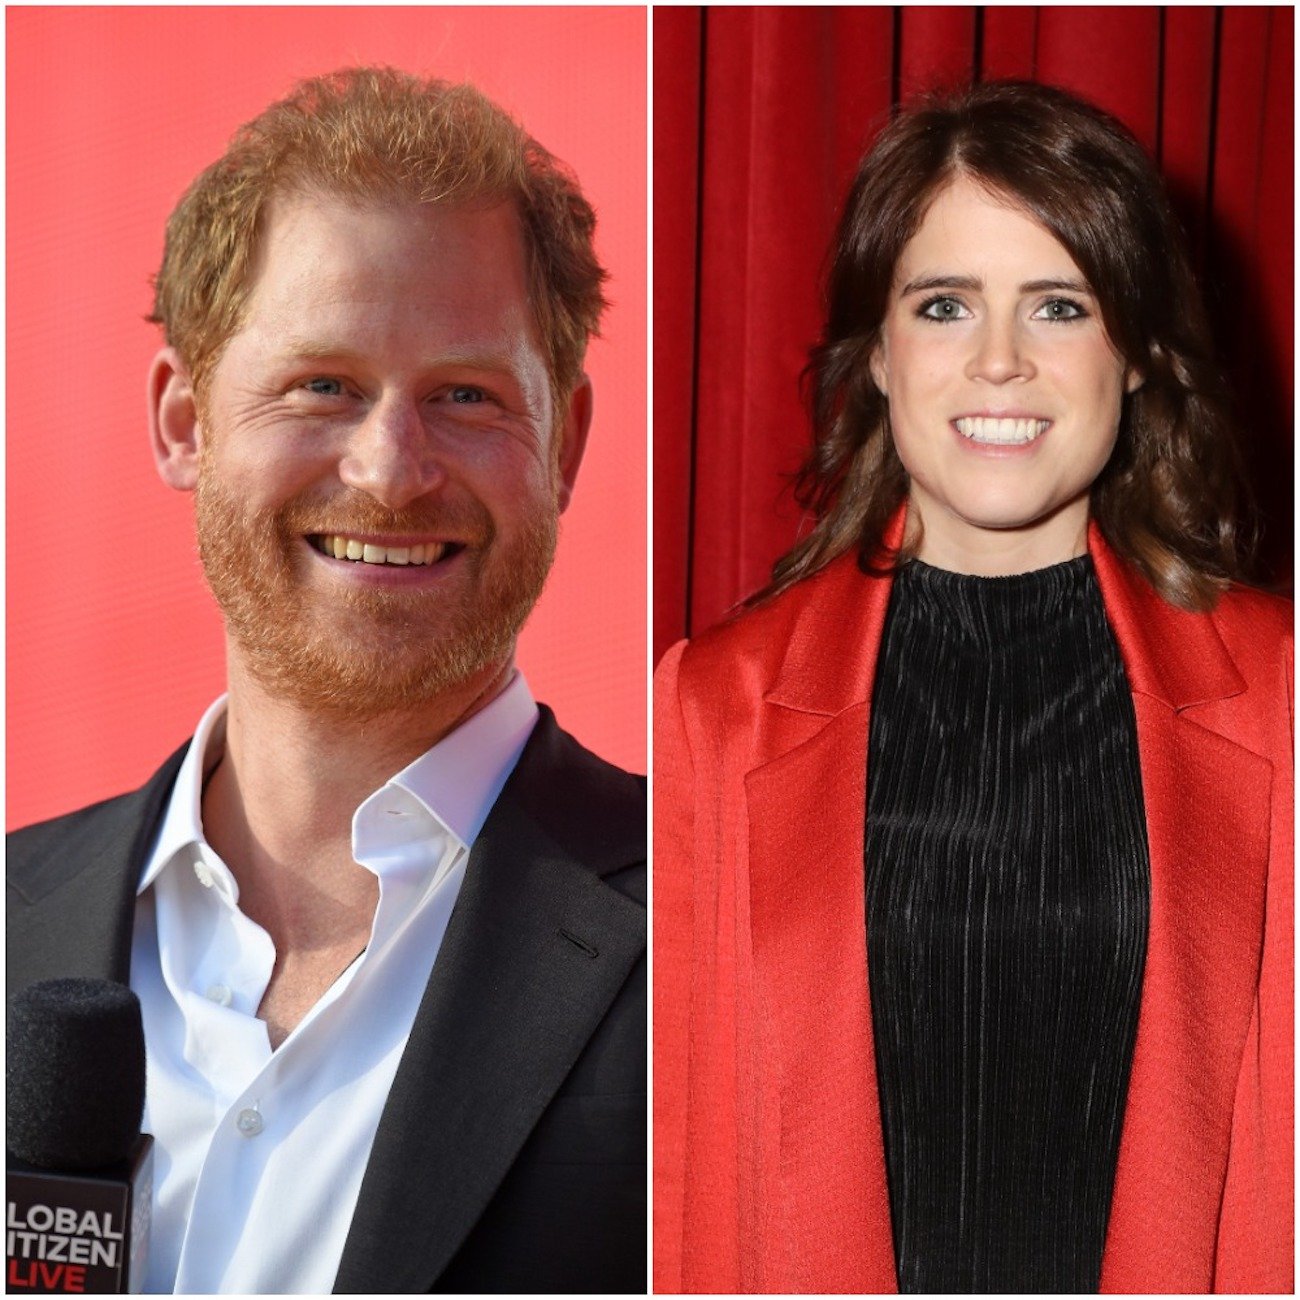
973	833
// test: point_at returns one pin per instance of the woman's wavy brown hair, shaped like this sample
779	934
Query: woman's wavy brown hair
1171	498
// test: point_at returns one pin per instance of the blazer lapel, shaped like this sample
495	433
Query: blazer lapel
1207	809
536	951
77	896
807	808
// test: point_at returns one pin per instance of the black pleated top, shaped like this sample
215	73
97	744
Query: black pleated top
1008	894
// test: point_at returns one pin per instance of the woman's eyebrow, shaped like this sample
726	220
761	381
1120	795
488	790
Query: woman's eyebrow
1049	286
925	283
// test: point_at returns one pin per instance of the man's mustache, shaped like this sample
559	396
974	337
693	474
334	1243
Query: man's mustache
356	512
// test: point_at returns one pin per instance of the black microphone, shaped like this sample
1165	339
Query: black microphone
80	1173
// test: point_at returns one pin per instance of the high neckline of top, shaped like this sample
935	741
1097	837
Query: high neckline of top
993	610
1065	571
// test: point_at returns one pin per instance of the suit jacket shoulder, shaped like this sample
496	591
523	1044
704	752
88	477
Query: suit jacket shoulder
1258	629
753	633
72	881
581	805
811	649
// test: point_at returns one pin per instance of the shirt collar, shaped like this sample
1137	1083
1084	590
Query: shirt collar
182	823
456	781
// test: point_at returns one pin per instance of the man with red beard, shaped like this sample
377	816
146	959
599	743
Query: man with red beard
386	920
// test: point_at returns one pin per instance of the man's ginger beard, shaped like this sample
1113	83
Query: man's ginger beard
365	652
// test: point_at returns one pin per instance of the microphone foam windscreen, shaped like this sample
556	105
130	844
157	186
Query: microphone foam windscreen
74	1051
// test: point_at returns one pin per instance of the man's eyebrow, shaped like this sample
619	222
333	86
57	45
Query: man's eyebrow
315	350
973	284
473	358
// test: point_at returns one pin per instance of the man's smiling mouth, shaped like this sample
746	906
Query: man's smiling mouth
338	546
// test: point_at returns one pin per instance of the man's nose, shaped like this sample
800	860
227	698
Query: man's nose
1001	353
393	455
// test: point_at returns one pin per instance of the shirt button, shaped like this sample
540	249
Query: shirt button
204	875
220	994
249	1123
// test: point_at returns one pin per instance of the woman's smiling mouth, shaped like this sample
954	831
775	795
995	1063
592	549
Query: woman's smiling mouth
1001	430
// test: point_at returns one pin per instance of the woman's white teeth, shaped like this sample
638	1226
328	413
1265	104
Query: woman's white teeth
348	548
983	428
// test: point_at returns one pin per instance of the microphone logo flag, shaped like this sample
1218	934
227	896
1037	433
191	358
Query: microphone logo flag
71	1232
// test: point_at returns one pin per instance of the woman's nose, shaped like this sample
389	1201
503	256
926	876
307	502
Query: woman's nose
1000	354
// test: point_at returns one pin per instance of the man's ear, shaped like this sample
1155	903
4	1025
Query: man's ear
174	431
572	431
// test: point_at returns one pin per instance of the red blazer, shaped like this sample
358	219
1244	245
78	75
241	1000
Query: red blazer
769	1161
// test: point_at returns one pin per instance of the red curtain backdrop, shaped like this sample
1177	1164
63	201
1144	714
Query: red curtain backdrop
761	115
114	645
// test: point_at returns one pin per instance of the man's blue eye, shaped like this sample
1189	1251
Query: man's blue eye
324	387
463	393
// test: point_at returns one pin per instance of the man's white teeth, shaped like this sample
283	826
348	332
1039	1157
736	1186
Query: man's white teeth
348	548
983	428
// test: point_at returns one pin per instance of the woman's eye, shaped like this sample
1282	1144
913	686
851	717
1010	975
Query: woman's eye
466	394
1061	309
324	387
942	309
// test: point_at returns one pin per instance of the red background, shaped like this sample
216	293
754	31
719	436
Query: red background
761	115
114	644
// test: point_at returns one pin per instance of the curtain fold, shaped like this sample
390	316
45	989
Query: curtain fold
677	54
761	115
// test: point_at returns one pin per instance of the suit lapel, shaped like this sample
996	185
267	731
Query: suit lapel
536	951
807	911
1207	809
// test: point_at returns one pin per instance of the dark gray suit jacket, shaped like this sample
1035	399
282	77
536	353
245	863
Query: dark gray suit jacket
511	1152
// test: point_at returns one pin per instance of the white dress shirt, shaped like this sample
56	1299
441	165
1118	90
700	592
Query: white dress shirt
260	1154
